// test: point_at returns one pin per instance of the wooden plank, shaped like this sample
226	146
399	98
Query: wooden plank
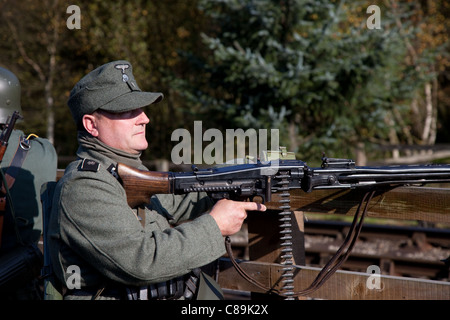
343	285
264	237
410	203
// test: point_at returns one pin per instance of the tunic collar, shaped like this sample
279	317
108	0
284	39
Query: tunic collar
90	146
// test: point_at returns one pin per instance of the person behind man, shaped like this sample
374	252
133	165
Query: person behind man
28	162
118	252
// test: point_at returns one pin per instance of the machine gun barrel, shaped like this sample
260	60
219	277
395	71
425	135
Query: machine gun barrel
351	176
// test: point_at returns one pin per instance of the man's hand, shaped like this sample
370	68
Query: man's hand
230	215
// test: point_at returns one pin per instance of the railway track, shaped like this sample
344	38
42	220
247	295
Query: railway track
406	251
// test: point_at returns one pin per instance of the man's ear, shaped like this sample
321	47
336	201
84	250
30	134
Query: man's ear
90	124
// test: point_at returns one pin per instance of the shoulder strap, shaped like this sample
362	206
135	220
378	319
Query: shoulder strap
52	287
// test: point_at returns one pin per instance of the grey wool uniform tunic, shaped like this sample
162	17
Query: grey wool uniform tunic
92	226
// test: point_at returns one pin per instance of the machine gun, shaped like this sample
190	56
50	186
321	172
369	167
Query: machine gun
258	181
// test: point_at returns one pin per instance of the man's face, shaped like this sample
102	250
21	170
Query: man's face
124	131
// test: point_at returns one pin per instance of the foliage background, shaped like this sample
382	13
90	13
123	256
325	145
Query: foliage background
310	68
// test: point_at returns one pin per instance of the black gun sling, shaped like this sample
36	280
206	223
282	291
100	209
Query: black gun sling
332	265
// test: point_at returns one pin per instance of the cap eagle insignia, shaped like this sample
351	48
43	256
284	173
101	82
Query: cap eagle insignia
123	67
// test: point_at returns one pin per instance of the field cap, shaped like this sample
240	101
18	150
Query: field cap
110	87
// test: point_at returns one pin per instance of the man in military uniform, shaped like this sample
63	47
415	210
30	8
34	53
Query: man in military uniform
118	251
29	161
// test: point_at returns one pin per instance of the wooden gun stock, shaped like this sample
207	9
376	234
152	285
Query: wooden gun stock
140	185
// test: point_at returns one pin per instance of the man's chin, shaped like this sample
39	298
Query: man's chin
141	148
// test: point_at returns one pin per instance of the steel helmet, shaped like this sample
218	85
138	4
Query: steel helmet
9	94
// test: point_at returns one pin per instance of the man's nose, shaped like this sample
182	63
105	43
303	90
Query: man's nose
143	119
